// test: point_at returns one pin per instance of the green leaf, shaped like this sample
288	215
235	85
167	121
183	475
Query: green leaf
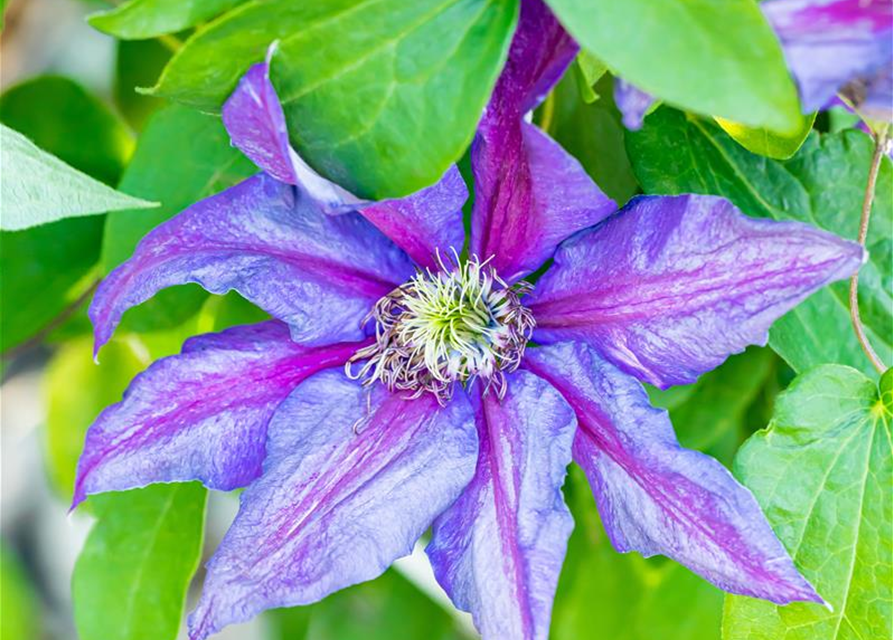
605	594
715	58
56	259
362	81
137	64
768	143
130	580
821	472
76	390
61	117
182	157
591	70
593	134
142	19
711	415
39	188
19	611
388	607
822	185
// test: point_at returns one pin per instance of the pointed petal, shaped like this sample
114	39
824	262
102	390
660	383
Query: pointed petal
498	550
830	43
339	499
529	193
655	497
320	274
671	286
201	415
632	102
425	222
256	124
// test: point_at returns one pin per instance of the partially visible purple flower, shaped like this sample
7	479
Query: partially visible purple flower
632	102
838	45
443	416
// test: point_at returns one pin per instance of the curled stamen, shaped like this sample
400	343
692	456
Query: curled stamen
461	323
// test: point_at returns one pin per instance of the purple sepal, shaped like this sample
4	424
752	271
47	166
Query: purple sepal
529	193
353	476
498	550
255	122
201	415
831	43
632	102
655	497
425	222
669	287
264	239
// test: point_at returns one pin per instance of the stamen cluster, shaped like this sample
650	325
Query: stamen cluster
460	323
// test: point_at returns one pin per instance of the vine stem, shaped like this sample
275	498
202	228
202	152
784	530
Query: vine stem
51	326
882	139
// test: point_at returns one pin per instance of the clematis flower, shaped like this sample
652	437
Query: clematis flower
838	45
395	390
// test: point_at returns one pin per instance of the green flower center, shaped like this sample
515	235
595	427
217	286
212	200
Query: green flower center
460	323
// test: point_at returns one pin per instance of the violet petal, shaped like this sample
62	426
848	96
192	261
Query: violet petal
830	43
425	222
202	414
671	286
498	550
632	102
353	476
655	497
262	238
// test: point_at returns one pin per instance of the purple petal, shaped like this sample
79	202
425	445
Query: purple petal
256	124
425	222
498	550
352	478
671	286
632	102
262	238
829	43
201	415
656	497
529	193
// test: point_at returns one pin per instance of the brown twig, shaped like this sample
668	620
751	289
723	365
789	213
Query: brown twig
882	138
52	325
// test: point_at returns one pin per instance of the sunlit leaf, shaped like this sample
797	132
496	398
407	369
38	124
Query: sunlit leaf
130	580
715	58
766	142
821	472
39	188
19	610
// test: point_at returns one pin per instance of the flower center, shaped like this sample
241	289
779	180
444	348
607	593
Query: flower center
461	323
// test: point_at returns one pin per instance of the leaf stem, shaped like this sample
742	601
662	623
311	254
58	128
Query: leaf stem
52	325
548	113
171	43
881	140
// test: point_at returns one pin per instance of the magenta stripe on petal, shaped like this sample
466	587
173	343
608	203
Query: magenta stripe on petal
655	497
201	415
320	274
529	193
498	550
425	222
353	477
671	286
